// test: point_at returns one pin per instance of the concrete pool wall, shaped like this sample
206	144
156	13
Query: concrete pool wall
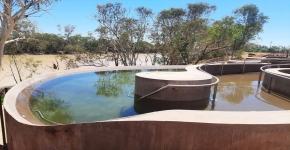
171	129
276	80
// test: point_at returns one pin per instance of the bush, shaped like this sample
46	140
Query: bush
2	98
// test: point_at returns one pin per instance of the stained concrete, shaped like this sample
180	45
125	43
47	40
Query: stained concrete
172	129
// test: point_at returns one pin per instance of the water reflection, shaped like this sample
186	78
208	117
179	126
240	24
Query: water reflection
101	96
86	97
115	83
112	83
235	92
52	108
242	93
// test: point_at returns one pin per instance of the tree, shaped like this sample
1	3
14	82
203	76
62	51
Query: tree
180	33
46	43
70	46
252	47
12	11
120	33
251	22
67	32
20	65
93	53
182	36
22	34
165	34
217	39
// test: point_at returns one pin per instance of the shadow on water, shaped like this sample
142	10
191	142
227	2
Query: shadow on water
150	105
128	111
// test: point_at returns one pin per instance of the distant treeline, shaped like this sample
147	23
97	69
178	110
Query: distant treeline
251	47
47	43
177	35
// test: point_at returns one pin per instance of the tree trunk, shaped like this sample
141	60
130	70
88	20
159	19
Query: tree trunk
232	57
2	44
199	59
6	30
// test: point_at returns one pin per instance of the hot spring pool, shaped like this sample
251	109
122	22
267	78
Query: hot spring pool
97	96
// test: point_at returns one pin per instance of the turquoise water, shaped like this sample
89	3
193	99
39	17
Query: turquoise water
98	96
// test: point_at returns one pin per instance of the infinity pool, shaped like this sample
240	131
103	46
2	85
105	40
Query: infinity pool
98	96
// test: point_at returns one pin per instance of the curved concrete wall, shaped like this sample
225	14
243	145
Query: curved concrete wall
147	82
174	97
232	68
172	129
160	132
275	83
275	60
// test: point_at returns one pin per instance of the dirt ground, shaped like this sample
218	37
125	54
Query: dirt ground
247	54
47	61
6	77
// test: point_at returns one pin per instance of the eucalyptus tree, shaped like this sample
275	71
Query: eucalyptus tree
251	22
165	33
217	39
46	43
178	32
67	32
198	40
121	33
23	32
252	47
232	33
91	44
12	11
186	35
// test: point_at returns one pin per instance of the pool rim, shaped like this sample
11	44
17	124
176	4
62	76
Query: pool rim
215	117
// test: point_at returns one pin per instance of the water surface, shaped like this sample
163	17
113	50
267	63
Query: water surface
98	96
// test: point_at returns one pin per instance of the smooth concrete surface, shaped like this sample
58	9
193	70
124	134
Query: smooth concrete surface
147	82
245	61
275	60
286	72
229	68
177	96
277	81
168	130
168	133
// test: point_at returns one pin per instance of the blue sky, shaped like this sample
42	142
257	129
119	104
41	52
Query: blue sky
80	14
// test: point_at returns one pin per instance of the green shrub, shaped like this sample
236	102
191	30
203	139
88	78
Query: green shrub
2	98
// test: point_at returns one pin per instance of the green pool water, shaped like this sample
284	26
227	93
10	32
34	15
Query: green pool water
98	96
